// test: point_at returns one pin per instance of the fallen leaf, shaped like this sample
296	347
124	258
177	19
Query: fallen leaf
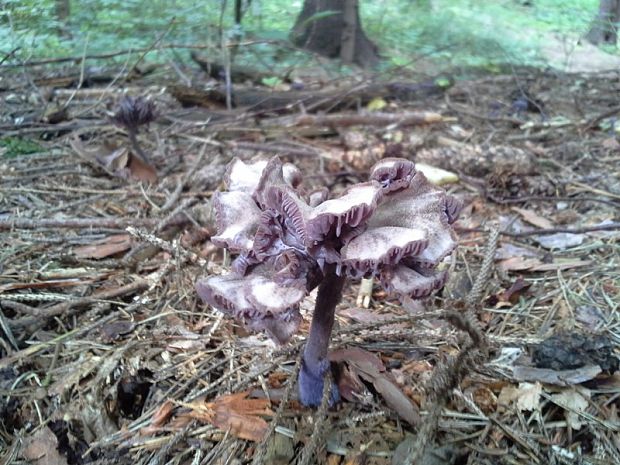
162	414
75	372
106	247
535	264
368	366
533	218
234	413
484	398
529	396
506	397
185	345
436	175
115	330
514	292
361	315
560	241
592	317
573	402
562	264
557	377
42	449
518	264
509	250
118	162
376	104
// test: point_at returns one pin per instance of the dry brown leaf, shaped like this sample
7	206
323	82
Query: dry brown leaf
162	414
534	264
511	295
507	396
574	402
140	170
119	162
333	459
529	396
369	367
106	247
562	264
234	413
557	377
485	399
42	449
185	345
533	218
560	240
361	315
518	264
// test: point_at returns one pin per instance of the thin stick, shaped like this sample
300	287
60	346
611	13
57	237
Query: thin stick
259	455
82	223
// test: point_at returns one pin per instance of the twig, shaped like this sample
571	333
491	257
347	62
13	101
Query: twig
543	232
447	377
39	316
481	282
151	47
584	229
161	455
75	223
444	379
173	248
103	56
186	179
378	119
542	198
135	145
589	124
259	455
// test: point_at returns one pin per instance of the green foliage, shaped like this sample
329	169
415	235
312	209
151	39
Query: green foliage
475	33
271	81
11	147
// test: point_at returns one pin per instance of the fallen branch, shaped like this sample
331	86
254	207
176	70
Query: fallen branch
82	223
38	317
370	119
545	232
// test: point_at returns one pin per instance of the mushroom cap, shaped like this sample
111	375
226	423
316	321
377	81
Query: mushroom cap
396	227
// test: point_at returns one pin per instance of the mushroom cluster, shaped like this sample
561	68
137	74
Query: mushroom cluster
395	227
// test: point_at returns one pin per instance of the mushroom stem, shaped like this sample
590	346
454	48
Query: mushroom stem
315	362
136	146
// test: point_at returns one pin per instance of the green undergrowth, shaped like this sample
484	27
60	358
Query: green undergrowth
474	33
11	147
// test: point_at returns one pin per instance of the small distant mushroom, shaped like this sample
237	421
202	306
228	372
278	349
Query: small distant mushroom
395	227
133	112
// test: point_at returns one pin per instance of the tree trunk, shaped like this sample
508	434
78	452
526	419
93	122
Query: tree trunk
604	30
333	29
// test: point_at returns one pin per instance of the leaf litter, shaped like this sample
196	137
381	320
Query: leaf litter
102	333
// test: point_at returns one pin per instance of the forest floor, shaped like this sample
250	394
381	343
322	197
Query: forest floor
108	356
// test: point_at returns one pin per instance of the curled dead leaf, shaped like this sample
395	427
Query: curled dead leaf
234	413
118	162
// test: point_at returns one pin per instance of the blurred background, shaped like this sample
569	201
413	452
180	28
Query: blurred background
423	35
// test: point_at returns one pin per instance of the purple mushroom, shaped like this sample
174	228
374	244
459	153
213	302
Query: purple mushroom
395	227
131	114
